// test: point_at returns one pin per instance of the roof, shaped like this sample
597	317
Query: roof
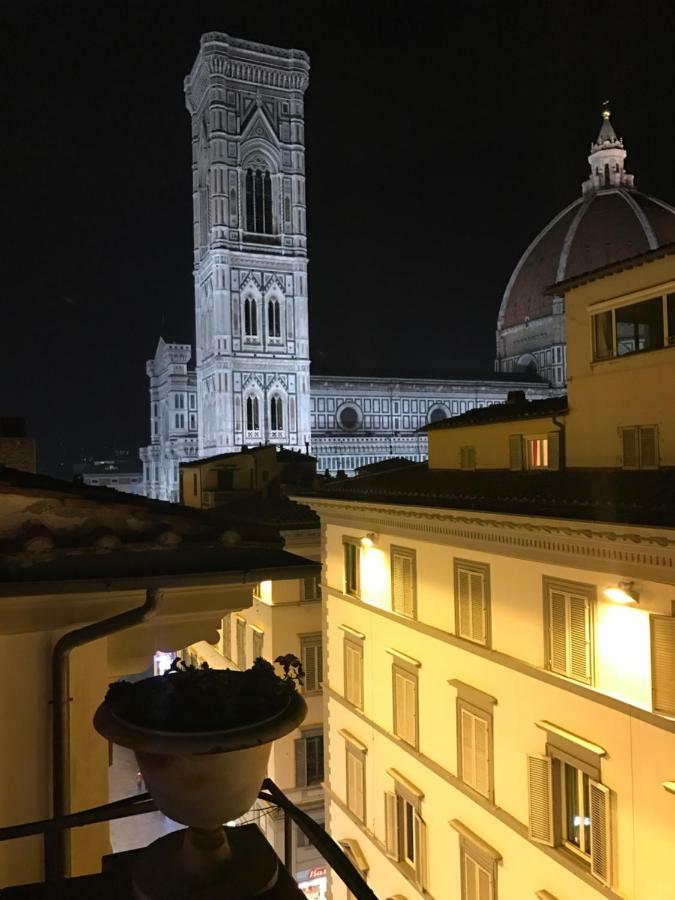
394	462
276	512
504	412
431	377
622	265
637	498
596	230
283	454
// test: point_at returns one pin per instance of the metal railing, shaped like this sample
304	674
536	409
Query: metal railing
139	804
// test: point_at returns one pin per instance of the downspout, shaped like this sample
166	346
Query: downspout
55	850
562	460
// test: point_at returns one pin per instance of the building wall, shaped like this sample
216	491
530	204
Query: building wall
490	442
18	453
637	389
614	713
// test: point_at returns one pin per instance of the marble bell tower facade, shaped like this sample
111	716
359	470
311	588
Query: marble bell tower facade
250	244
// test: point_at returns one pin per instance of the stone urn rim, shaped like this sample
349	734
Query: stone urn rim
183	743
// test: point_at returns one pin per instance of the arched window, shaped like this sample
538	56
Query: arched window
274	318
250	317
259	201
252	414
276	414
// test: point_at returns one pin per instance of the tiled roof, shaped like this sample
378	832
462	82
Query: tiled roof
277	512
503	412
639	498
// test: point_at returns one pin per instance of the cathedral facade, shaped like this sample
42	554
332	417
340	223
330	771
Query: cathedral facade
251	378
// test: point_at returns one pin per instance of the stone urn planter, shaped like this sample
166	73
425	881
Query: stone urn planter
203	778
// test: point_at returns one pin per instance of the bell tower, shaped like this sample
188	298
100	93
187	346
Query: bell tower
250	246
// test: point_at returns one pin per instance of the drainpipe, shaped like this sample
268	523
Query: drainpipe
561	443
55	848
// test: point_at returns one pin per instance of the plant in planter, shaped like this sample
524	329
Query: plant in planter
202	738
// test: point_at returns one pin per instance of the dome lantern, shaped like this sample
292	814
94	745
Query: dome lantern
607	159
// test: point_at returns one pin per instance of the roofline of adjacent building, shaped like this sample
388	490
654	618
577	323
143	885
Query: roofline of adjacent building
521	411
631	262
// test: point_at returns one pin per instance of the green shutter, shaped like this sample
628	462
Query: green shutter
516	452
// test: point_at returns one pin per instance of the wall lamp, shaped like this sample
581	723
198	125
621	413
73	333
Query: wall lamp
625	592
369	540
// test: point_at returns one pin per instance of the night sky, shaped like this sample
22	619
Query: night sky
439	142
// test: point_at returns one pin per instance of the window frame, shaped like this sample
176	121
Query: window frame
639	452
481	706
355	754
569	588
309	733
471	567
407	671
353	642
406	794
355	545
610	307
409	554
481	855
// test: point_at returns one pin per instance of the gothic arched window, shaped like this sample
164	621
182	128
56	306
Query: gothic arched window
259	201
252	414
250	317
276	413
274	318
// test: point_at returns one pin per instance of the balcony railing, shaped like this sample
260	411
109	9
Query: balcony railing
102	885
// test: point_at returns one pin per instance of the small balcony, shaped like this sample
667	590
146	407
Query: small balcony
115	881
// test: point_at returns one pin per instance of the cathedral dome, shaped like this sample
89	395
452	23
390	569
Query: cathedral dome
609	222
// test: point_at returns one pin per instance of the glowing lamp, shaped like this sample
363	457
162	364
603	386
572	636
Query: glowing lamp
369	539
624	593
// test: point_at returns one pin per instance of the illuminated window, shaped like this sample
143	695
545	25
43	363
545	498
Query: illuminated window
568	625
534	452
276	413
252	414
403	586
273	318
405	830
472	600
311	649
259	202
537	453
569	806
352	566
640	447
250	317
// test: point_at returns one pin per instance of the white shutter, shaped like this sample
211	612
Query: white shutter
663	664
464	604
353	675
402	586
421	862
355	784
478	609
601	866
579	658
557	632
630	450
468	748
553	450
400	710
391	824
516	452
482	759
649	447
540	797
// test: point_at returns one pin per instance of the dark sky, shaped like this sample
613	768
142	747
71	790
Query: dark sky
440	138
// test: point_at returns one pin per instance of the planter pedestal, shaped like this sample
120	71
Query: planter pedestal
221	864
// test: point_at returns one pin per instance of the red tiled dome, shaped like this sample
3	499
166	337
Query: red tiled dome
601	227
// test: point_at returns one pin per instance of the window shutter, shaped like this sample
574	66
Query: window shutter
402	566
464	601
478	610
663	664
482	764
468	748
516	452
421	862
227	636
400	706
649	447
353	676
557	632
311	668
391	824
540	797
629	442
554	450
580	639
300	763
600	832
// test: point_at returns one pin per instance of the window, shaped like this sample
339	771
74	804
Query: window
534	452
227	636
405	830
475	738
405	697
354	854
252	414
352	566
634	327
259	202
317	813
250	317
569	807
309	758
258	637
241	643
311	589
353	666
467	457
568	615
276	413
355	762
193	401
311	647
640	447
478	865
273	318
663	664
403	578
472	601
195	483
